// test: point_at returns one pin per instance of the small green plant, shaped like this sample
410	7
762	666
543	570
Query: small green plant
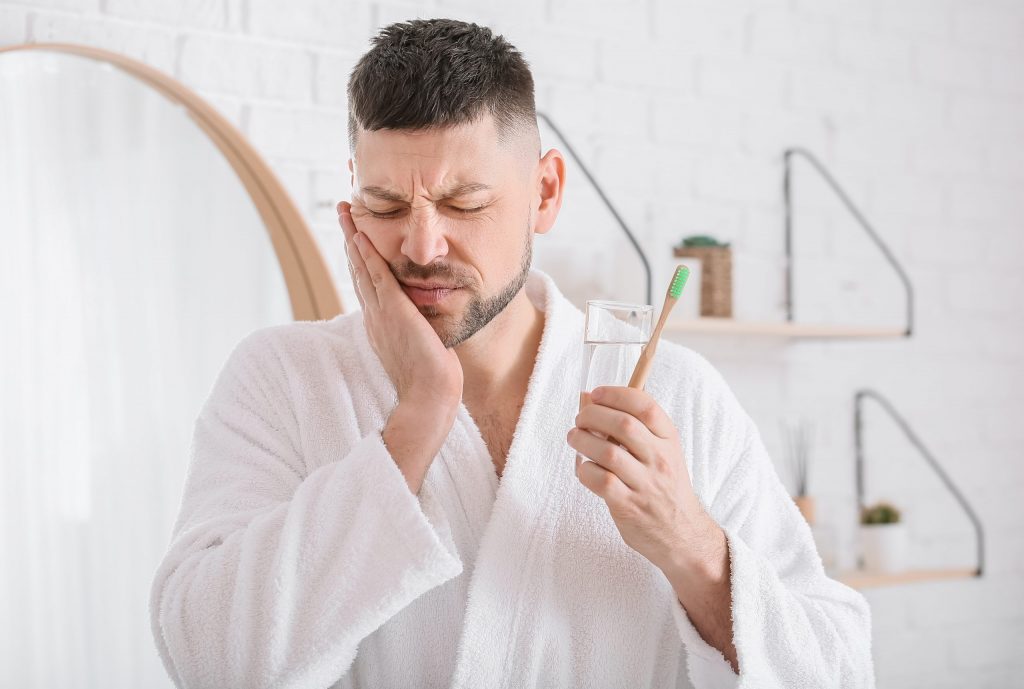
701	240
880	513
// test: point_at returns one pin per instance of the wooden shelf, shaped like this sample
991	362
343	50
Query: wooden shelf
864	579
731	326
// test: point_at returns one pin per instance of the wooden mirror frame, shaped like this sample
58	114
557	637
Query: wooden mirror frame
311	288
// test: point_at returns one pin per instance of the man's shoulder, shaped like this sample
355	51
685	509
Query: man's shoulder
680	363
687	383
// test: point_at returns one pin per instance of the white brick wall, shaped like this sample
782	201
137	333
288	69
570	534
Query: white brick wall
683	109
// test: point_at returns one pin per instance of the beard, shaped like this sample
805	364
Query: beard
480	310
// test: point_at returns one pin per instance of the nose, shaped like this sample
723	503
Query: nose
424	237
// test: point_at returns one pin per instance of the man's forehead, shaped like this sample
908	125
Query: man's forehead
451	191
446	162
392	165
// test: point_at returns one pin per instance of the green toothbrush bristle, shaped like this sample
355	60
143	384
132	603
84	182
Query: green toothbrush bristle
678	280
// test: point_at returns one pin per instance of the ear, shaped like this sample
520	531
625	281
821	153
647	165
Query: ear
352	178
549	185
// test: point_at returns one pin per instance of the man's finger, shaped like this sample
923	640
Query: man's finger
620	427
610	456
379	270
603	483
364	285
352	255
365	289
349	250
348	227
638	403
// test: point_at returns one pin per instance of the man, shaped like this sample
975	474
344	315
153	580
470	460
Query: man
385	499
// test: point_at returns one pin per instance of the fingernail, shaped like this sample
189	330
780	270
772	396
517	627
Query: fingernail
596	394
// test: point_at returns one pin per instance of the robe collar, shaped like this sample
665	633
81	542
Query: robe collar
512	515
552	392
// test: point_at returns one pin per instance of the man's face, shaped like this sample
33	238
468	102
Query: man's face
448	207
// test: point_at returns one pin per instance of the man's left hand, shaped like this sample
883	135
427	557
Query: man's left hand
639	470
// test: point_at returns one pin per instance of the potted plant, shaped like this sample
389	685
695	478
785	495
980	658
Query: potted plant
701	240
796	434
716	272
883	538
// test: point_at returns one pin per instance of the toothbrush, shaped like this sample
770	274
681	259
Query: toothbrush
643	365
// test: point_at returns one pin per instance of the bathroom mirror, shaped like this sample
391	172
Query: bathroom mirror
141	237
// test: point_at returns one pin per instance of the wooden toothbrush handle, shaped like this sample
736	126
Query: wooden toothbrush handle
646	360
642	370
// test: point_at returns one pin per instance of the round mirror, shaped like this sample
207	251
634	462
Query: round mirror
141	239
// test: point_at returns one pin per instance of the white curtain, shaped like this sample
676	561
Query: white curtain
131	262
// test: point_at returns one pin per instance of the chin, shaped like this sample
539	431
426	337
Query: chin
444	324
433	313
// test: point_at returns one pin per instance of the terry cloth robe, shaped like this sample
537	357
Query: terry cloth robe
301	558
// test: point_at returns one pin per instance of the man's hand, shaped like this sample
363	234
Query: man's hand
427	375
638	469
641	474
421	368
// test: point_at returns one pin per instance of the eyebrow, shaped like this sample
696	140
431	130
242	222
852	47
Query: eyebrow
454	192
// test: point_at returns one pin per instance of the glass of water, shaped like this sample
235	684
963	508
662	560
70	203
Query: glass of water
614	335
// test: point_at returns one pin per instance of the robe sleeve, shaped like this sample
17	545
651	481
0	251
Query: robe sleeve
793	626
273	577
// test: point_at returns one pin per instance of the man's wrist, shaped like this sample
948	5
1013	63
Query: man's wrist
702	555
413	438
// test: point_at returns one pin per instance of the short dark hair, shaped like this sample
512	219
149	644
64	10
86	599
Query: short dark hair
437	73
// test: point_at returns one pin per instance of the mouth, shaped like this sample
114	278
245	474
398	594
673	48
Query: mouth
428	295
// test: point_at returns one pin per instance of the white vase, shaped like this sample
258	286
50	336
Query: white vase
884	547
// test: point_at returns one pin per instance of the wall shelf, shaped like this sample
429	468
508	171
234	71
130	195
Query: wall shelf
862	579
787	193
783	329
789	328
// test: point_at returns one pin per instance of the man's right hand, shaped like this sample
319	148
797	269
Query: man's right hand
427	375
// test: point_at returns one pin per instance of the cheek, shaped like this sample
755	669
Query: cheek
474	246
383	235
488	253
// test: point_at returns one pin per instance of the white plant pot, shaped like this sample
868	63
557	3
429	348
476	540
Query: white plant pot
884	547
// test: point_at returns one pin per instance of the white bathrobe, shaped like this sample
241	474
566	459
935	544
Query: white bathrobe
301	559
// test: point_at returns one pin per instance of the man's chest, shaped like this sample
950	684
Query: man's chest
497	428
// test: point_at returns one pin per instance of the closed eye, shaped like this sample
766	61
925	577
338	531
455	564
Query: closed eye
468	210
391	214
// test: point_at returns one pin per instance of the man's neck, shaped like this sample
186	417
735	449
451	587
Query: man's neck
498	359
